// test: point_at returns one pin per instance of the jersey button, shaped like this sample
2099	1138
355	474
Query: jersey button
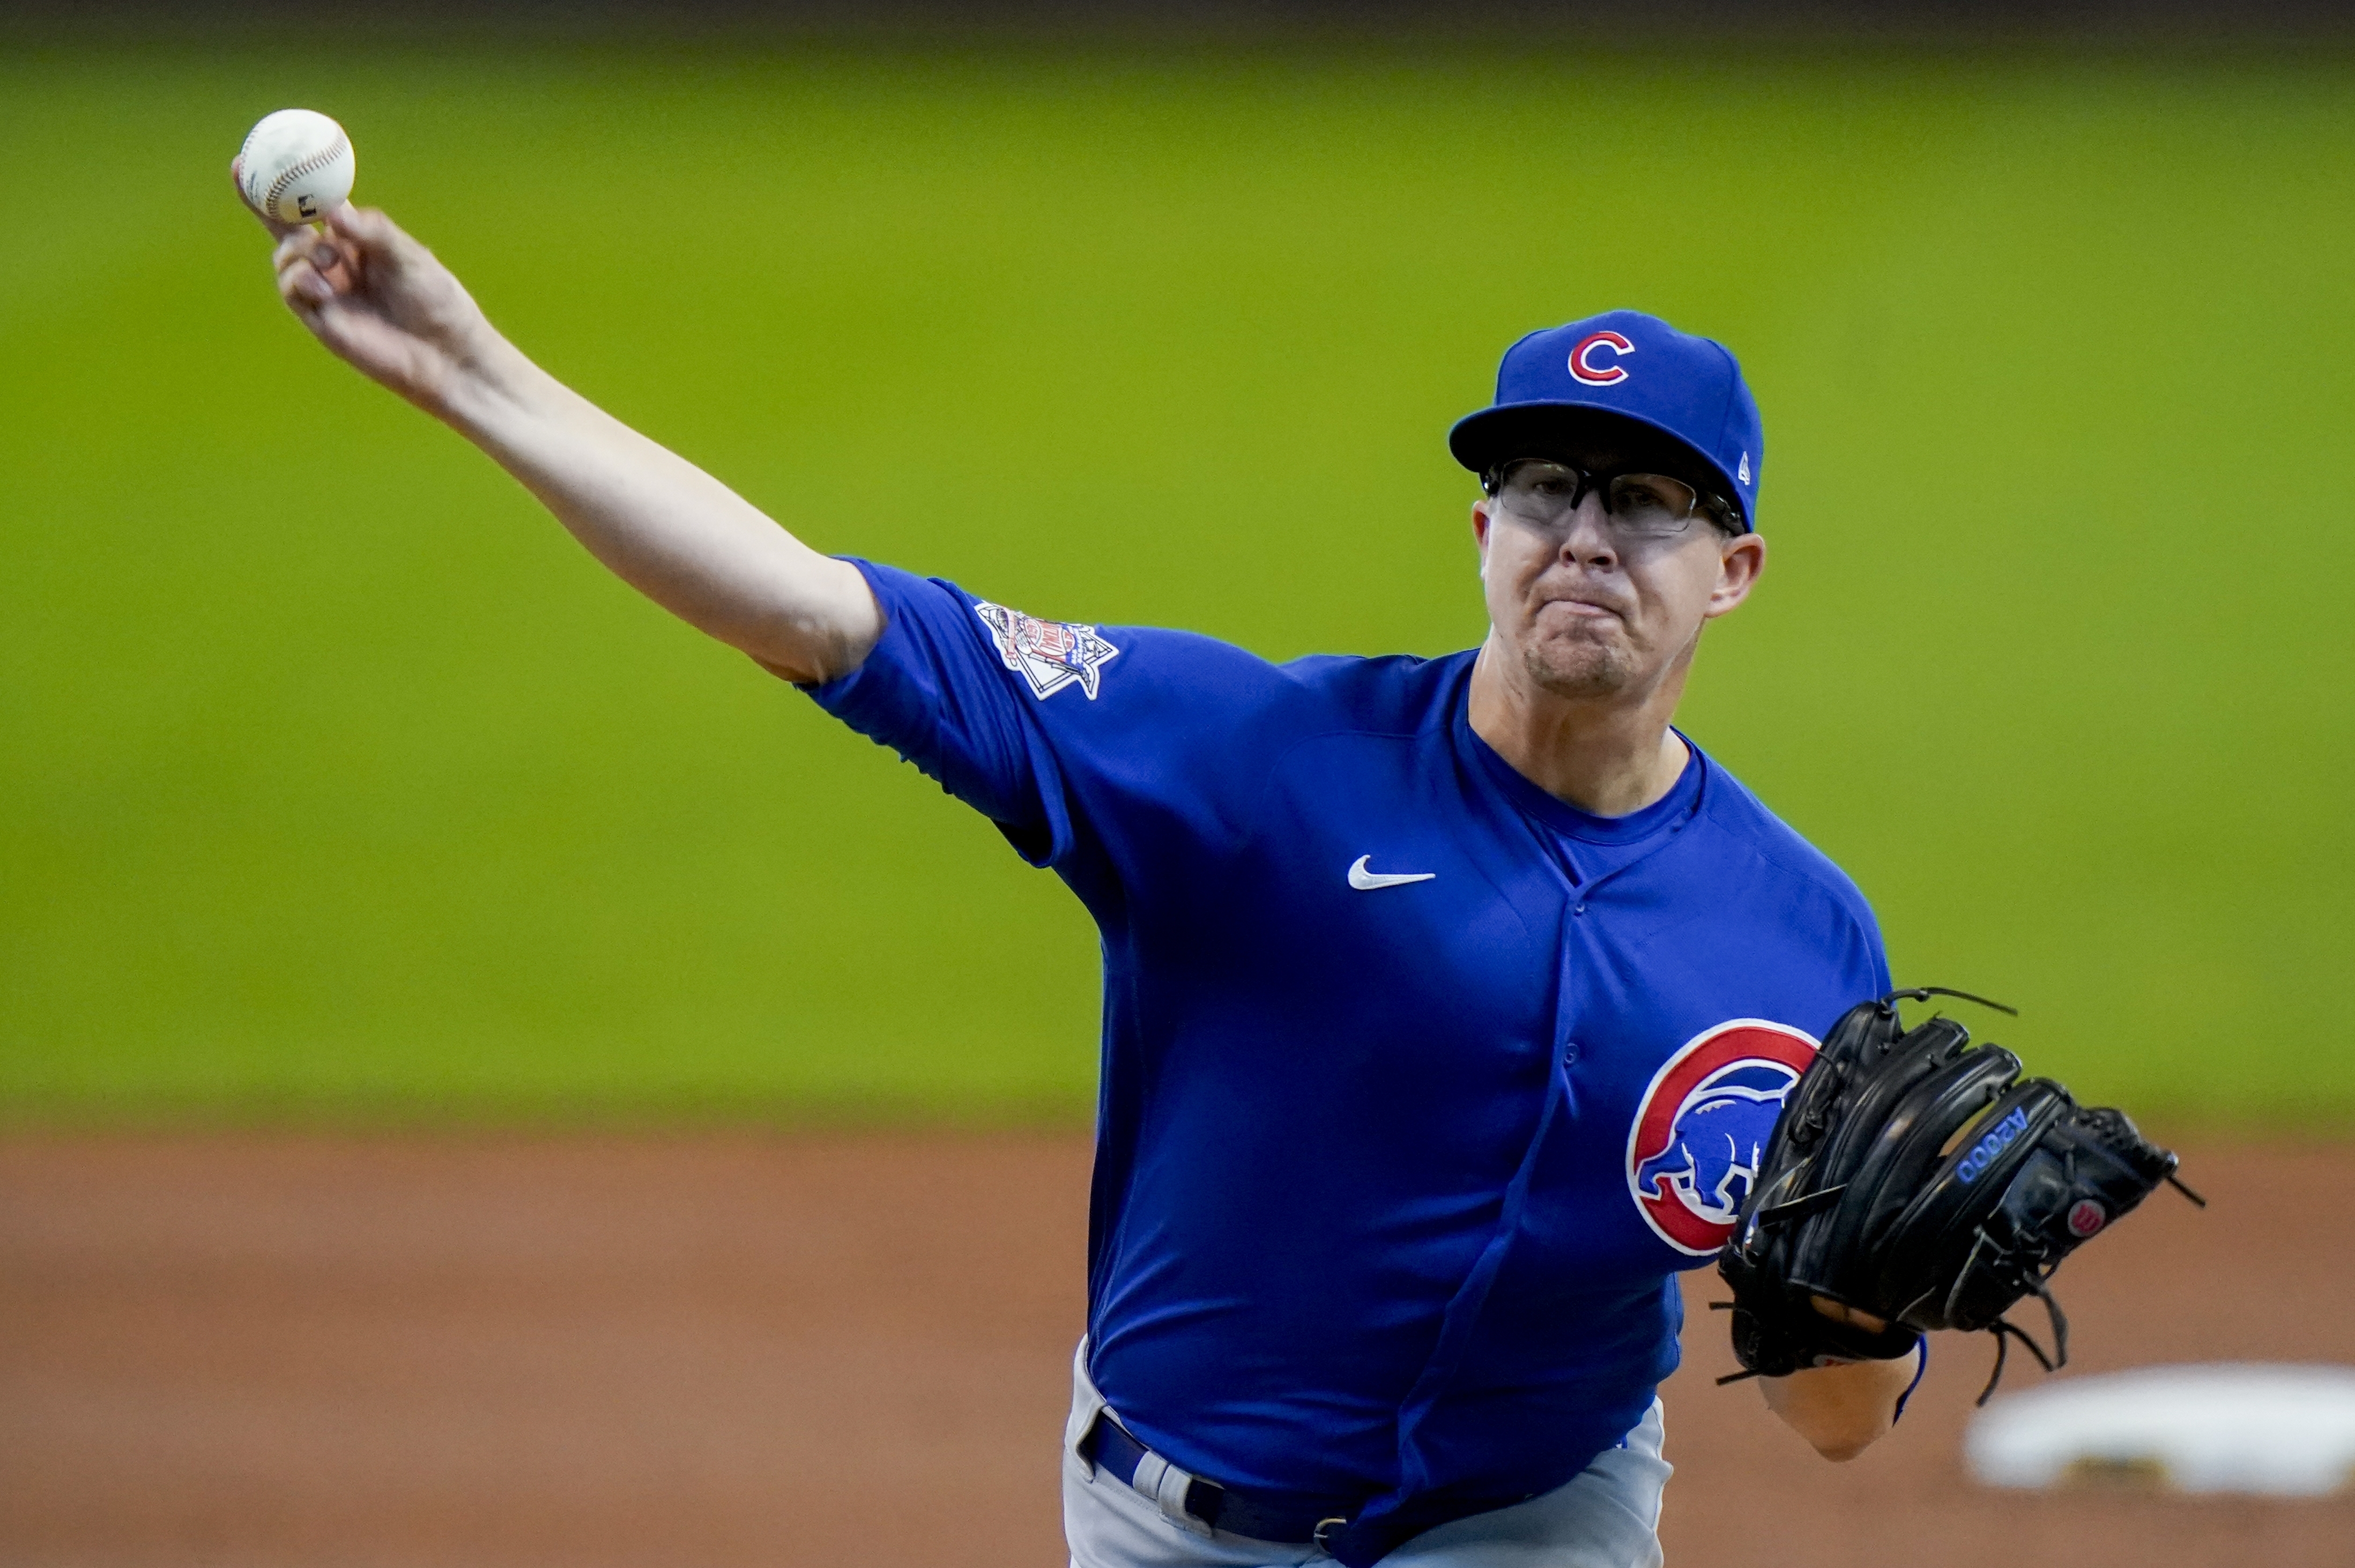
1579	910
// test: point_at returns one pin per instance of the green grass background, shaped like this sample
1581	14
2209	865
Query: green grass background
338	783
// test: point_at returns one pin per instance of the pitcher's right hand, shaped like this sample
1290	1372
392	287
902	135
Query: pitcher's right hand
382	302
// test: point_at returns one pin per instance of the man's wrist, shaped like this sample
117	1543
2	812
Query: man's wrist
489	386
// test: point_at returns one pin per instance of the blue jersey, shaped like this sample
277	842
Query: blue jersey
1418	1085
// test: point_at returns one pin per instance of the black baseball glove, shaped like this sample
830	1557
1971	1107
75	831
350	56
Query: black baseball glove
1923	1184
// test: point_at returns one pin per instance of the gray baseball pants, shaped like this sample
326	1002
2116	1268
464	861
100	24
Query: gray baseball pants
1607	1516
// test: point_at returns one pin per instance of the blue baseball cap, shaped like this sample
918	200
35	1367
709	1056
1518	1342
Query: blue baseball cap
1636	367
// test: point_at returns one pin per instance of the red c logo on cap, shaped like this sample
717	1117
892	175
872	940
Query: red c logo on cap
1582	358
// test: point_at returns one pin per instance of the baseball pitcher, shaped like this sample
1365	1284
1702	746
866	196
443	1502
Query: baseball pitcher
1450	1005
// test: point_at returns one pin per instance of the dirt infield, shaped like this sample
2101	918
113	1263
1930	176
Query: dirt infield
852	1350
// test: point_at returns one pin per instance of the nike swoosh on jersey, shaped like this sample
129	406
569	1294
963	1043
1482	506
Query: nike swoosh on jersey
1362	880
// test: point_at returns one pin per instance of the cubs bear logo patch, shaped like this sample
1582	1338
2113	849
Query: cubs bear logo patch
1049	655
1701	1128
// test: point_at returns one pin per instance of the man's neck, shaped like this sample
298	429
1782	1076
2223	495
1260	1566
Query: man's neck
1608	755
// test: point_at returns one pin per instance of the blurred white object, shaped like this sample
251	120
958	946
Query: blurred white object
296	165
2273	1429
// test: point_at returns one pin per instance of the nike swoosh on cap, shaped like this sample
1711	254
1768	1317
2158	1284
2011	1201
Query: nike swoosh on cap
1362	880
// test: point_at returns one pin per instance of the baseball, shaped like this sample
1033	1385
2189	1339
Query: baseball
296	166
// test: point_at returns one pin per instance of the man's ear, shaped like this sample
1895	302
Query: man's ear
1480	534
1740	563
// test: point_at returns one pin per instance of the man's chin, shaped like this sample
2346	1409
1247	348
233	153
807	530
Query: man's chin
1578	668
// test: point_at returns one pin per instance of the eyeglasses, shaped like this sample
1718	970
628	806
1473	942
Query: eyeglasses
1544	492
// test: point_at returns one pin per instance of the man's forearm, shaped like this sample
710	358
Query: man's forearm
385	305
664	525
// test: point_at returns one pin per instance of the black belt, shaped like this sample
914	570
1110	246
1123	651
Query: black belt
1108	1445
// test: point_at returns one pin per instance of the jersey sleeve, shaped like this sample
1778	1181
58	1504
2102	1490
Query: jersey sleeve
1864	960
935	689
1131	761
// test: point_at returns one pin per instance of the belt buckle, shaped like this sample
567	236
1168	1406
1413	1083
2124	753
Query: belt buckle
1316	1536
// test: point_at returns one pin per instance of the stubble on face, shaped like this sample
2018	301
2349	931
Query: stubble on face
1585	659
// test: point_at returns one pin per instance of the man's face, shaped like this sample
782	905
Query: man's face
1589	609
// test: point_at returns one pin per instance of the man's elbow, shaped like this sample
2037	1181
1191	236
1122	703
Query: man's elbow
1839	1448
1841	1411
1839	1431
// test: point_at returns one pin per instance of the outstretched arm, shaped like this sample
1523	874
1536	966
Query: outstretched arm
381	302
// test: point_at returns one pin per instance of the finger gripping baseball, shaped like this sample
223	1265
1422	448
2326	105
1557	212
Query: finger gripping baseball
1921	1180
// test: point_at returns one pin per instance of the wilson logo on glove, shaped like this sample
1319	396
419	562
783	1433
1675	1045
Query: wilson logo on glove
2086	1217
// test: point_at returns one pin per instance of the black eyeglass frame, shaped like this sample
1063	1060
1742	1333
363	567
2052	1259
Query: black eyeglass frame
1720	511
